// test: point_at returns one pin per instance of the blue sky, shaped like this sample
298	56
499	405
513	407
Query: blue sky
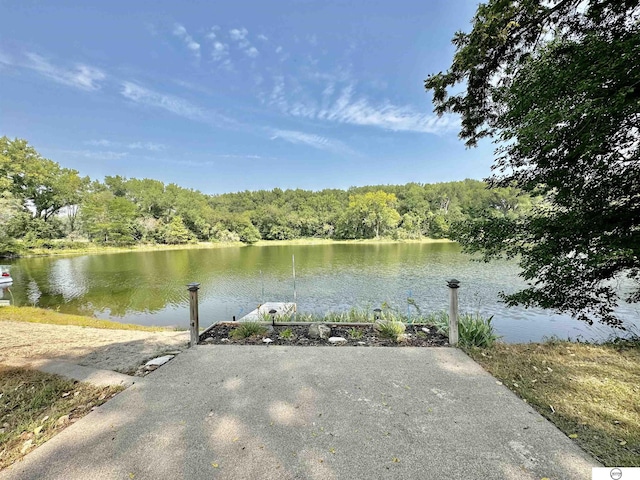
227	96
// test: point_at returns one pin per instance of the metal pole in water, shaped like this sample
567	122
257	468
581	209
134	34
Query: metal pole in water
453	285
194	324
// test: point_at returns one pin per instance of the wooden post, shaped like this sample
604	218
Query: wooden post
453	285
193	313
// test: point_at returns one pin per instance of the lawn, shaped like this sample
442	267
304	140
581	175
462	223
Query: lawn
590	392
34	406
41	315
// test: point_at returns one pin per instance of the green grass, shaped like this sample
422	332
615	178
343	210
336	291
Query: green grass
287	334
32	404
65	247
362	315
473	330
390	329
588	391
355	333
41	315
84	248
248	329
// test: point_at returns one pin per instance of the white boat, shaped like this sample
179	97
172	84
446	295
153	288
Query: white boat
5	276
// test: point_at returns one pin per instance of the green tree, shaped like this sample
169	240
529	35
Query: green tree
557	85
372	214
9	209
38	182
176	232
108	219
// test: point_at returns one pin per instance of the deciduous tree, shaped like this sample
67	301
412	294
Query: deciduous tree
557	85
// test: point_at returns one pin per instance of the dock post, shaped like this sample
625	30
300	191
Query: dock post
193	313
453	285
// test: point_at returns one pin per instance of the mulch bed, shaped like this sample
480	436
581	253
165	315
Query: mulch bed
220	334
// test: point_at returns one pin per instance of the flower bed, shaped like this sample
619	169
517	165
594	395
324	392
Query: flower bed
299	335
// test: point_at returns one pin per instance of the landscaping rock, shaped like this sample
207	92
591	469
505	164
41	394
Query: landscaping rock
337	340
267	340
156	362
319	331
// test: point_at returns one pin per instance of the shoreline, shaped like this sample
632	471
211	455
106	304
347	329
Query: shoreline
94	249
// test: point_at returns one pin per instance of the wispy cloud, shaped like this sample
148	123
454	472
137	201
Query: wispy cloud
240	36
359	111
311	140
248	156
213	32
98	155
342	106
149	146
192	86
84	77
220	51
100	143
263	37
5	59
181	32
173	104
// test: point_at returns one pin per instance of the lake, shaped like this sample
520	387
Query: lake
148	288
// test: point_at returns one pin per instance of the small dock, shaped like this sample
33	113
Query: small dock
261	313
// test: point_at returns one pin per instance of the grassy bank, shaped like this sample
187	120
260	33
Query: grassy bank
35	406
87	248
327	241
41	315
590	392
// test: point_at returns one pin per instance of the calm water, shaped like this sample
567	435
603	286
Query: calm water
149	287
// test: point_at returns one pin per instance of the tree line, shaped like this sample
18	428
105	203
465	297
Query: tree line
43	204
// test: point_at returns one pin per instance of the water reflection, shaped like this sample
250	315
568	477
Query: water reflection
6	296
149	287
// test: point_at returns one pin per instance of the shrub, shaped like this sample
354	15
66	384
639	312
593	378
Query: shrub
287	334
390	329
248	329
355	333
473	330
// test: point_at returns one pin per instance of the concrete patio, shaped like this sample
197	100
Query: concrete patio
242	412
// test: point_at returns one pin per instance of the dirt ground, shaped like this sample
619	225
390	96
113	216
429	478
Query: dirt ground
118	350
